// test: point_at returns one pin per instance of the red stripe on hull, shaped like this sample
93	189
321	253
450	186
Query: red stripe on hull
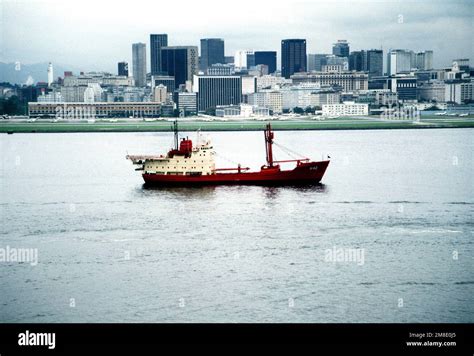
305	173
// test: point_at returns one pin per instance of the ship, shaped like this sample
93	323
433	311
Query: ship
188	165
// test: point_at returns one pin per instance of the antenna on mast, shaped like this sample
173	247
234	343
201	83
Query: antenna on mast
175	129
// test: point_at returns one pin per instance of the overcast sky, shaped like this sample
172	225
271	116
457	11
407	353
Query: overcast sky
95	35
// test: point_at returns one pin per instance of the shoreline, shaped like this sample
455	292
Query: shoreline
247	125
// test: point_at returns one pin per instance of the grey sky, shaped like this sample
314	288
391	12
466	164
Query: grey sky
95	35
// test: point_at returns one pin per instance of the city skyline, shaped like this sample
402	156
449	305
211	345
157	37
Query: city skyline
391	26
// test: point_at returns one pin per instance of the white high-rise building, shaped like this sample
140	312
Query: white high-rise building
424	60
50	74
399	60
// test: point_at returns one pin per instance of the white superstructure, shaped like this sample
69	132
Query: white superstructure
195	161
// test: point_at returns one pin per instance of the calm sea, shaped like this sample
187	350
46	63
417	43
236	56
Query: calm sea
387	237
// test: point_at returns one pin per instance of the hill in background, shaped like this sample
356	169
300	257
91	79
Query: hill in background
37	71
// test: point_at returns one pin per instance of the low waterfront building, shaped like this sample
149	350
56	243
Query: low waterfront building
347	108
260	111
228	111
77	111
242	110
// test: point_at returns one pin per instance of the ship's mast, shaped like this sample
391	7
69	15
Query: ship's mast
176	138
268	144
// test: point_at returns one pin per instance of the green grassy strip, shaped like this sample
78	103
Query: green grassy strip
338	124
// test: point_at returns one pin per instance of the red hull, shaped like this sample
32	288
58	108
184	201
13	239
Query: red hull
304	173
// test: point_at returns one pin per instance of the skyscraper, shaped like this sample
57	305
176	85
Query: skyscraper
268	58
374	60
181	62
217	90
341	48
356	60
212	52
123	68
293	56
156	42
399	60
139	64
370	61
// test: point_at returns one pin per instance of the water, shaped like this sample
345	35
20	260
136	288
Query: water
110	250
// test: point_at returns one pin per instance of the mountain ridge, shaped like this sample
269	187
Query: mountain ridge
9	72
